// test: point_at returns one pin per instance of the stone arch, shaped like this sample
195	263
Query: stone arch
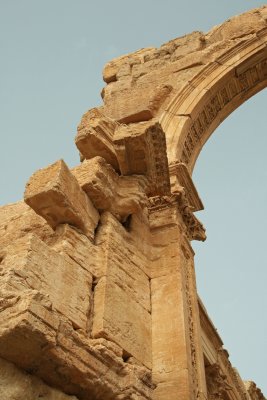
189	84
210	96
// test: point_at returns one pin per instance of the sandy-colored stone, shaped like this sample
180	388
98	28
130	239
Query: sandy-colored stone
30	264
98	291
55	194
121	195
140	149
119	318
17	220
94	136
18	385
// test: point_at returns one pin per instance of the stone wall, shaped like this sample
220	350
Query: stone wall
98	295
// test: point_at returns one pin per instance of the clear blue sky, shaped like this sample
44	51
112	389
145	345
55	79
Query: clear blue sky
52	55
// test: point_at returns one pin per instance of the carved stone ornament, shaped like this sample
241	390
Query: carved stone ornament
216	382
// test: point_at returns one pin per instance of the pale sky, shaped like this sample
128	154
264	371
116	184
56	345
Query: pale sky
52	55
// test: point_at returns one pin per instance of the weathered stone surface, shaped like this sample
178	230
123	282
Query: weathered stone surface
30	264
78	248
17	220
121	195
140	149
94	136
254	392
112	68
98	292
17	385
55	194
127	265
36	338
122	295
122	320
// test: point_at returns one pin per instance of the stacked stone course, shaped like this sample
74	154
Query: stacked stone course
98	294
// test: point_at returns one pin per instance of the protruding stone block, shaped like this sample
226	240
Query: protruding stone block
99	181
121	195
141	149
94	136
55	194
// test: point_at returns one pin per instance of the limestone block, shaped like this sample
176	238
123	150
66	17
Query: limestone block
117	317
112	68
122	295
141	149
55	194
23	335
241	25
170	362
121	195
17	220
31	264
99	181
18	385
36	338
137	103
187	44
94	136
124	265
78	248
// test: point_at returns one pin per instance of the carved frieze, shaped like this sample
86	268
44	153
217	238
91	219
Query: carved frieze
194	228
217	383
141	150
238	84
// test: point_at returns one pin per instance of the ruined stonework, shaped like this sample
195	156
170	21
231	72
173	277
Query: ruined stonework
98	295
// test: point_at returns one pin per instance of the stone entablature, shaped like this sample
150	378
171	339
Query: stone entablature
98	291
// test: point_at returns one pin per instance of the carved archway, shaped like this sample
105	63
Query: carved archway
195	112
115	231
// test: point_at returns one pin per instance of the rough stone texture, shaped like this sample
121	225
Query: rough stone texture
141	149
54	193
121	195
122	295
17	385
98	295
94	136
30	264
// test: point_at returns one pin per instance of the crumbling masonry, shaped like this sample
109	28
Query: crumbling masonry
98	296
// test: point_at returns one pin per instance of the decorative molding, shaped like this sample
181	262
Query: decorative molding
141	149
194	228
244	79
180	176
217	383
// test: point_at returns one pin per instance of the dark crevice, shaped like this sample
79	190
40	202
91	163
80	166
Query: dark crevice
91	309
94	283
125	356
127	223
97	229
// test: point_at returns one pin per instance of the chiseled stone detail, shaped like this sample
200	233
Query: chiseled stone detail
216	382
98	297
194	228
141	149
254	392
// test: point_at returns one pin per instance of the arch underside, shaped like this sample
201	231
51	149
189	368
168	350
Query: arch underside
210	96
